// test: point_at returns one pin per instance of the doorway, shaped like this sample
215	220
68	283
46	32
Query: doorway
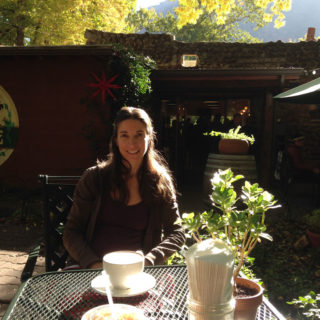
186	124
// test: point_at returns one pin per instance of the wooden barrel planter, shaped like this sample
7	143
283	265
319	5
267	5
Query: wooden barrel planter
239	164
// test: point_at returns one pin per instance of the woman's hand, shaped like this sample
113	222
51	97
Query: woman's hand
95	265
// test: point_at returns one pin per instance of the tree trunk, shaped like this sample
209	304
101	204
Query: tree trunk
20	37
20	29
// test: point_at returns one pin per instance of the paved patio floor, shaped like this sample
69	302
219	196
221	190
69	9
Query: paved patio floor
15	244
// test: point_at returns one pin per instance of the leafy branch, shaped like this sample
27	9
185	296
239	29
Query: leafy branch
241	229
310	304
232	134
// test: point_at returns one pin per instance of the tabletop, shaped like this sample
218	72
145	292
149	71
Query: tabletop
68	295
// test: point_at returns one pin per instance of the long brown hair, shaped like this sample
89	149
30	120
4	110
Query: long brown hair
155	180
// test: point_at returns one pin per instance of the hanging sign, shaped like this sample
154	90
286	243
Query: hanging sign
9	126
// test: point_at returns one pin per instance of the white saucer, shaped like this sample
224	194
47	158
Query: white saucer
142	284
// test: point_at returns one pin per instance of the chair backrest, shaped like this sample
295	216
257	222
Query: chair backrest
290	177
284	172
286	169
294	175
57	198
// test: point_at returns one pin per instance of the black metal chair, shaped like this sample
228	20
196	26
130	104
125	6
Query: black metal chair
289	180
57	202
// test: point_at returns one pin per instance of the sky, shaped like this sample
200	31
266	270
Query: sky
147	3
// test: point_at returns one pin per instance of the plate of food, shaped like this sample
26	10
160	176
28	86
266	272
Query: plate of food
115	311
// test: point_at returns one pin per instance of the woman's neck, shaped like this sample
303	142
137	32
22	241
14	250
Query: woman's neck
133	167
134	171
133	188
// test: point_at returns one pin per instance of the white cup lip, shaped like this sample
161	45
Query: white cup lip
123	263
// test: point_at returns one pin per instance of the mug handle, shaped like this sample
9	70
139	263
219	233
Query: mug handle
140	252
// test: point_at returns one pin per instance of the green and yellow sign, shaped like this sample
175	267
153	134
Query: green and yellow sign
9	126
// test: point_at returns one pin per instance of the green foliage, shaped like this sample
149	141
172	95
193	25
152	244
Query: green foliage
133	76
233	134
132	73
313	220
241	228
21	205
205	29
59	22
287	270
30	214
176	258
310	305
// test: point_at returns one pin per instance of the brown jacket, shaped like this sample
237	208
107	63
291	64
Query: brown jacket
162	237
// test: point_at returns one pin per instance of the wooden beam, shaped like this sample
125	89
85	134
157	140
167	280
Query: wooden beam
266	143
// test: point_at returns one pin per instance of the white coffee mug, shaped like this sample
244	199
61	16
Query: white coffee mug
122	267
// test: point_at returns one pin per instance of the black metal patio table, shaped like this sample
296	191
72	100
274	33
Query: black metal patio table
68	295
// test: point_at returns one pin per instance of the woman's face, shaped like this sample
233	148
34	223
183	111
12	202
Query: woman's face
132	140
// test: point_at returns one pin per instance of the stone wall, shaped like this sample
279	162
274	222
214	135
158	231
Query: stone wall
215	55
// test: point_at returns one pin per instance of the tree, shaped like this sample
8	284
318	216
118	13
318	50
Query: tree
59	22
208	26
189	11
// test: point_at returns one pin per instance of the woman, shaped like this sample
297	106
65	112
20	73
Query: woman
127	202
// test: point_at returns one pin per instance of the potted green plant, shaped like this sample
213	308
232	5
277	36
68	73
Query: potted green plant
310	305
313	227
238	221
233	141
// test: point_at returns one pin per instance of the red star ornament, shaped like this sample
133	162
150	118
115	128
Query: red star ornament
104	86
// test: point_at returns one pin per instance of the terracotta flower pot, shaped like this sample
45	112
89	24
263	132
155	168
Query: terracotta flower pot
246	307
314	238
233	146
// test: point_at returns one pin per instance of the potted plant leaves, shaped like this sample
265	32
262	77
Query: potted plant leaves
313	227
239	221
308	307
233	141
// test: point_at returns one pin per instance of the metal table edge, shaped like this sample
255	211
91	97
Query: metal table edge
23	284
272	308
14	300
